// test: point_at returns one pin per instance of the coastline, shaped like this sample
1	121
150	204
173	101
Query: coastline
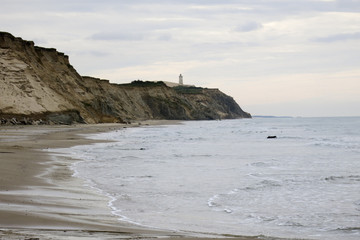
40	197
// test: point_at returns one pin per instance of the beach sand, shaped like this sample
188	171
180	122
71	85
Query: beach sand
41	199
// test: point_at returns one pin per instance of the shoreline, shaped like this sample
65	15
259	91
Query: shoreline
40	197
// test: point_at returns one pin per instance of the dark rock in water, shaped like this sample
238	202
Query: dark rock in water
271	137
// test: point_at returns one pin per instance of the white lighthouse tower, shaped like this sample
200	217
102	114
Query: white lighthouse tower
181	82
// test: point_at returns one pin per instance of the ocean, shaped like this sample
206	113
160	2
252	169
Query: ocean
227	177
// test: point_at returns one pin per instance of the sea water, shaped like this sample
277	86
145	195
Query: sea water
227	177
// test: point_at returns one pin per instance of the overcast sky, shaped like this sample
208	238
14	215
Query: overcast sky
275	57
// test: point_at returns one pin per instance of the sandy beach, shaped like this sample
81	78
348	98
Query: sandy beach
41	199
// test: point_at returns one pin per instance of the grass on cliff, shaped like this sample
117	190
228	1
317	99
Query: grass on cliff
140	83
188	89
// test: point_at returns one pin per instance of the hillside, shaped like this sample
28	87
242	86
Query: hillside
38	85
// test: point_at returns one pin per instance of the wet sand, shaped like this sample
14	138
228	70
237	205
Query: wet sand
40	197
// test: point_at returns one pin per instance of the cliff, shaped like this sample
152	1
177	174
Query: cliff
38	85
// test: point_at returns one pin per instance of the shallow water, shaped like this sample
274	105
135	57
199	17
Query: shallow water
226	177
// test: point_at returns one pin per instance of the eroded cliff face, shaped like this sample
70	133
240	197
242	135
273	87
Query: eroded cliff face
39	85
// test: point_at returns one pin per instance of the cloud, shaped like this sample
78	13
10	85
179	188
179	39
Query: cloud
132	36
165	37
118	36
339	37
248	27
96	53
348	5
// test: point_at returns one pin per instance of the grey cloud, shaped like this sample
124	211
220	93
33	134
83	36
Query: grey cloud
348	5
248	27
164	37
98	53
117	36
339	37
132	36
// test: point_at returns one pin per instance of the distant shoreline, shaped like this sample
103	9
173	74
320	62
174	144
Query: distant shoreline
265	116
270	116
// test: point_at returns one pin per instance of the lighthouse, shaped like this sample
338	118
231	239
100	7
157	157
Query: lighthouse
181	80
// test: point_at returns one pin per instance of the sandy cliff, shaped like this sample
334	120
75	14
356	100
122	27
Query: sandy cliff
39	83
